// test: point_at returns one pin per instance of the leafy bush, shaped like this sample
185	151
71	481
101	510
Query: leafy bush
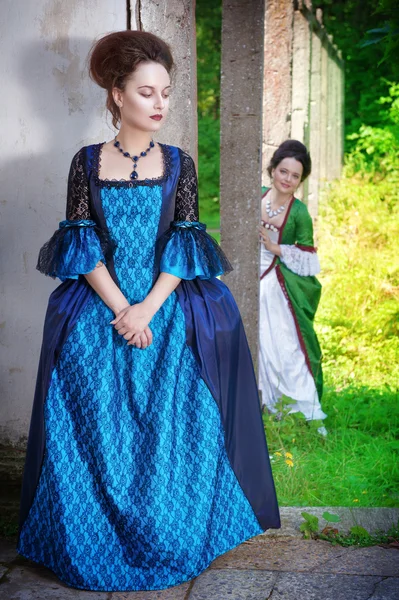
376	148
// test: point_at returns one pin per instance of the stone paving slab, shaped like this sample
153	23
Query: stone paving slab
387	589
38	583
365	561
180	592
372	519
312	586
263	568
234	585
291	555
310	555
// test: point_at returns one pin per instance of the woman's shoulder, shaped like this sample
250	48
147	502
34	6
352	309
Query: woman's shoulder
300	206
182	153
87	151
301	210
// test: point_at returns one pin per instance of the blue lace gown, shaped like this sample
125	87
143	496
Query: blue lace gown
136	491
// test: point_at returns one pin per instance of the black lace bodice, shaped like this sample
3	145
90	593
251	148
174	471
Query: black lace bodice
78	200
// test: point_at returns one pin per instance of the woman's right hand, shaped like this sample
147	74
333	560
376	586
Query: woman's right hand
132	323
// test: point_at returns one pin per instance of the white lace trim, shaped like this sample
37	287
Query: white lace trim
299	261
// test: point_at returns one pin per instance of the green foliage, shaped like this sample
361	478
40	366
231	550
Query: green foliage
367	67
331	518
310	527
388	36
356	536
376	149
357	324
209	24
209	15
359	536
359	532
209	170
358	317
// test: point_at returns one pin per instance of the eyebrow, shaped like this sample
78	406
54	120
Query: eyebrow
152	87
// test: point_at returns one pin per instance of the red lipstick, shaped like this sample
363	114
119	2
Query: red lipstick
156	117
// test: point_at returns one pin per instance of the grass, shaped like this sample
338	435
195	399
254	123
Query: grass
358	326
357	323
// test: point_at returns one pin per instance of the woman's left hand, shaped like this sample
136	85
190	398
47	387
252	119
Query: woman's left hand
267	242
131	322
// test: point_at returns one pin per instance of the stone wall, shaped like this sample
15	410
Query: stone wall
303	91
300	97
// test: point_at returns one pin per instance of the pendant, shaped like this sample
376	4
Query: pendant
133	175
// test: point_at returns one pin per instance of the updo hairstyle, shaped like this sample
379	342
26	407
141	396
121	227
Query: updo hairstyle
292	149
117	55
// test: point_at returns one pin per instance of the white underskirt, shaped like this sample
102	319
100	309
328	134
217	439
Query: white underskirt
282	366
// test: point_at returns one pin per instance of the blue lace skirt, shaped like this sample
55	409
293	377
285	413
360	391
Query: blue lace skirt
136	491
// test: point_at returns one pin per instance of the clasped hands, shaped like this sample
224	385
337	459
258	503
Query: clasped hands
132	323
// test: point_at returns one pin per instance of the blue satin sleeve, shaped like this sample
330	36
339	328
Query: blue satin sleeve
74	249
187	251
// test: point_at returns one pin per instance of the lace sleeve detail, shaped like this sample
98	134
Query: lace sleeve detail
301	262
187	190
78	206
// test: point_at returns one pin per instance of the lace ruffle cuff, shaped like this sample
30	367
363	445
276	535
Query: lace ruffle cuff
74	249
301	262
187	251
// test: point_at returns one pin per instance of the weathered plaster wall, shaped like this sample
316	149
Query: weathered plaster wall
49	110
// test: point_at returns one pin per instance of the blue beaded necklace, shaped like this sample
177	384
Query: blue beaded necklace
133	174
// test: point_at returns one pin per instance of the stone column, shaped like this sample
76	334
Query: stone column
330	167
301	81
175	24
277	78
342	111
241	135
338	157
334	114
315	124
323	111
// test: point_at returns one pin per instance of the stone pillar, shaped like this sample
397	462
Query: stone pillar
333	120
315	124
277	78
241	136
301	81
338	115
175	24
50	110
323	112
342	111
300	78
330	170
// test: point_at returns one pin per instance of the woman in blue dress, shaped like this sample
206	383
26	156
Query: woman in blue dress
146	456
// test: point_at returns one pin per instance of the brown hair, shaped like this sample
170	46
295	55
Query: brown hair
292	149
114	57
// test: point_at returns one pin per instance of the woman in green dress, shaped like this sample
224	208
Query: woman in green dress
290	355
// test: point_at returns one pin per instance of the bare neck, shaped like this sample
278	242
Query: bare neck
278	198
133	140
